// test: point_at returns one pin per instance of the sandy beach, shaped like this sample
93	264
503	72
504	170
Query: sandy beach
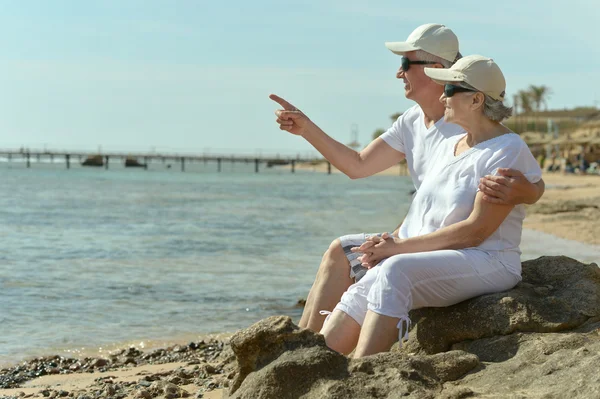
570	208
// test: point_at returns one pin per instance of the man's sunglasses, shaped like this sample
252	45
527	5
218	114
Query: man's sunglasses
450	90
406	63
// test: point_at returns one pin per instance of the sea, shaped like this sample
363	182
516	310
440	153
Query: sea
92	260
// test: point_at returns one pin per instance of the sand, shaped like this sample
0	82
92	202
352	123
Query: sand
83	381
570	208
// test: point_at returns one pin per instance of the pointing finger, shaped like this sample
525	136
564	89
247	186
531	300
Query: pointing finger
287	106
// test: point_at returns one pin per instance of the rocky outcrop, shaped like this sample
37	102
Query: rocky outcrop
556	294
540	339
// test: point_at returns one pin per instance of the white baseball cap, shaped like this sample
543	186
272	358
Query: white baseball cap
480	72
435	39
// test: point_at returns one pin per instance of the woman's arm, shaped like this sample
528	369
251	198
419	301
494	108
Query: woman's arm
485	218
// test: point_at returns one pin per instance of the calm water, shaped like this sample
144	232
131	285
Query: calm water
91	258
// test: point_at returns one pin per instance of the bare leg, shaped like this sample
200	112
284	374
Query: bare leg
378	334
333	279
341	332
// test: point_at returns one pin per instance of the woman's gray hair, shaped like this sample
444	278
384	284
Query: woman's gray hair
493	109
425	56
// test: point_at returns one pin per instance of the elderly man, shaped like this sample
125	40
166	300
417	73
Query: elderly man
411	137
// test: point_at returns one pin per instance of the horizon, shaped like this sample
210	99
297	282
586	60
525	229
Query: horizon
195	76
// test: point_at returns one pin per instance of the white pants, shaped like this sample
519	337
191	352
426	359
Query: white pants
428	279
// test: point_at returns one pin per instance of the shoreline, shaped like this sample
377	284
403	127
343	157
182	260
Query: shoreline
569	208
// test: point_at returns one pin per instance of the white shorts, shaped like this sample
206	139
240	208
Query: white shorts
428	279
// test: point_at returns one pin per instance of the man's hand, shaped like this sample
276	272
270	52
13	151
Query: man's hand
290	118
375	249
510	188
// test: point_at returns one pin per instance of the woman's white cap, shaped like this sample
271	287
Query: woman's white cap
435	39
480	72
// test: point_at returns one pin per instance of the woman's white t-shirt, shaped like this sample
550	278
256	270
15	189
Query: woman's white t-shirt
447	193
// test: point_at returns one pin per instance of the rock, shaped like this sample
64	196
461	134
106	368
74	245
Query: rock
280	360
570	297
93	160
540	339
541	365
142	394
167	389
99	362
266	340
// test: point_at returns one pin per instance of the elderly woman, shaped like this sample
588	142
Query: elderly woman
452	245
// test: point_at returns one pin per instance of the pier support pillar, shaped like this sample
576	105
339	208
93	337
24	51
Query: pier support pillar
68	161
256	165
293	166
218	164
28	160
182	164
106	162
328	168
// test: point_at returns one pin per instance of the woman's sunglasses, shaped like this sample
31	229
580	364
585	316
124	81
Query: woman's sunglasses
450	90
406	63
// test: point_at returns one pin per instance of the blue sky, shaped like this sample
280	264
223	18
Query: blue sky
194	76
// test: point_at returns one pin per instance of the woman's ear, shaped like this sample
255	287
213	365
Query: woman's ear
478	100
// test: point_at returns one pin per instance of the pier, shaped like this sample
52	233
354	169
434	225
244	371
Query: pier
141	160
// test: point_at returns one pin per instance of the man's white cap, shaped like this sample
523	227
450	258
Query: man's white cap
435	39
480	72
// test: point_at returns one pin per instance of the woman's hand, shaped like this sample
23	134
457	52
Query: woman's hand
377	248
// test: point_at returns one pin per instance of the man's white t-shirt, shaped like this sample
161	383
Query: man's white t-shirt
410	136
447	194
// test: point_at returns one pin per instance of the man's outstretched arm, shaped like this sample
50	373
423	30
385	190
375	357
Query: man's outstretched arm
376	157
511	187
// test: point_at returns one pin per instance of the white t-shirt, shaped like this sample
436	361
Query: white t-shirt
447	193
410	136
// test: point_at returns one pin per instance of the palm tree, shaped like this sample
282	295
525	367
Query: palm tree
524	98
378	133
539	97
395	116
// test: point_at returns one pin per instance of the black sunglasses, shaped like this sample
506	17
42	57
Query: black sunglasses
406	63
450	90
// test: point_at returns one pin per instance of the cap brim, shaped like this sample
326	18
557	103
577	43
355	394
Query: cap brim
400	47
441	76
